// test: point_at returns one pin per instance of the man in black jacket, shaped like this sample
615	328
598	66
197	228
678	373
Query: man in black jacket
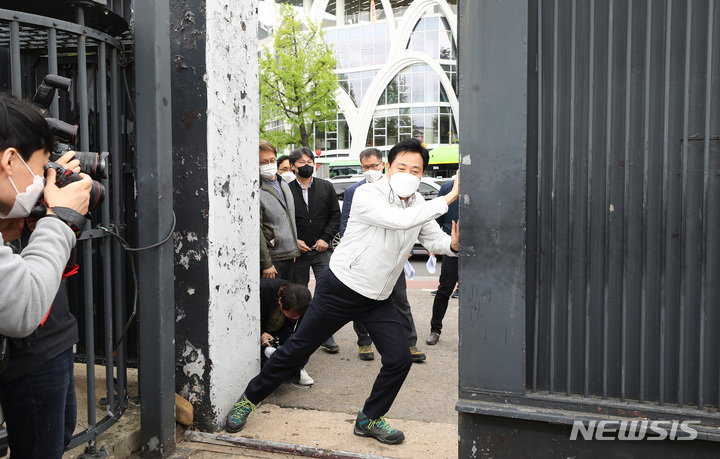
282	305
317	217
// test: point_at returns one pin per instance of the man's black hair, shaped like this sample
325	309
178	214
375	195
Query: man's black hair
23	127
297	155
368	152
409	146
295	298
282	158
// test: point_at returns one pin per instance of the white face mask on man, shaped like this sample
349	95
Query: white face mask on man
404	184
372	175
288	176
25	201
268	171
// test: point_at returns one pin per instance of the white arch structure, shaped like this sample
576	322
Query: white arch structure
359	118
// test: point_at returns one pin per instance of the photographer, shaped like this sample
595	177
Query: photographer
37	389
282	305
31	280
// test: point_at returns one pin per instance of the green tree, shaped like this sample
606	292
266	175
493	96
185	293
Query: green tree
297	83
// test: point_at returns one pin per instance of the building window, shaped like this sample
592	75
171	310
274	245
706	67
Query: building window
359	46
328	138
356	84
433	125
433	37
417	84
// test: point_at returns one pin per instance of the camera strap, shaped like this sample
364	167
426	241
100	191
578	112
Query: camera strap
75	220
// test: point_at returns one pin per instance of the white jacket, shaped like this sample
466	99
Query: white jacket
380	233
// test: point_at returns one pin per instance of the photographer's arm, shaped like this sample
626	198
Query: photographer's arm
31	280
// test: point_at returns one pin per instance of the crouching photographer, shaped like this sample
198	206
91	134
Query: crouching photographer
37	392
282	305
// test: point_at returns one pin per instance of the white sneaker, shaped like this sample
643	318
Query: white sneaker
305	379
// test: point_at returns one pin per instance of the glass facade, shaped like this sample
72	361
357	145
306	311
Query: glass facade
430	124
414	103
415	84
356	84
360	45
433	37
328	138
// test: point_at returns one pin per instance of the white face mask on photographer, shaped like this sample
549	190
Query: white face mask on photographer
404	184
25	201
372	175
268	171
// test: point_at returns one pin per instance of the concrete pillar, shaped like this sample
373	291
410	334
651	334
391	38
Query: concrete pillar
215	144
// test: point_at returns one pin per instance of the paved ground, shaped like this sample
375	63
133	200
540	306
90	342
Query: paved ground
322	416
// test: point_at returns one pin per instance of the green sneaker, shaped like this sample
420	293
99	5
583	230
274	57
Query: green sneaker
379	429
366	352
238	416
417	356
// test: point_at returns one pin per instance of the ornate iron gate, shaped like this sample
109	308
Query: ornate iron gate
85	49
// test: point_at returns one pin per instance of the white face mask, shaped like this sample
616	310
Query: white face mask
25	201
268	171
288	176
372	175
404	184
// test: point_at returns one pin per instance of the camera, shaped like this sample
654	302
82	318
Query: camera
45	93
91	163
273	344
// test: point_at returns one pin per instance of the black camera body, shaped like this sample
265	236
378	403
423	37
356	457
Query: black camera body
91	163
275	342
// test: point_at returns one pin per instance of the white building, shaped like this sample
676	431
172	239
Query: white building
397	69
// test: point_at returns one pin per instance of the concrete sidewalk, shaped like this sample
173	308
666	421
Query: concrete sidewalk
321	417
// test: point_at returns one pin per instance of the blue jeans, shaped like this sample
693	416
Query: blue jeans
40	409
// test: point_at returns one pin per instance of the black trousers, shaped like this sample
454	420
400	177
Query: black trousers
318	261
333	305
399	297
448	279
284	269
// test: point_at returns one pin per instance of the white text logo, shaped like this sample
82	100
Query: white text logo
634	430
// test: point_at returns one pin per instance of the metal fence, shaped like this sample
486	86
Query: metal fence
32	46
624	203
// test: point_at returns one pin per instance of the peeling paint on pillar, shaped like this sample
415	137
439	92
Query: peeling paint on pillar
215	137
233	115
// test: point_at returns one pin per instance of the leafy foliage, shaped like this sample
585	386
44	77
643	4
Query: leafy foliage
297	83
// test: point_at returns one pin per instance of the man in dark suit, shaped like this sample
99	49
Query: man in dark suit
317	217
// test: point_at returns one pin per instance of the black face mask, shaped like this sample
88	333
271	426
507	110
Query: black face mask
306	170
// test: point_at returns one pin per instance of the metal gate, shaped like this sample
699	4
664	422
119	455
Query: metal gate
85	50
624	203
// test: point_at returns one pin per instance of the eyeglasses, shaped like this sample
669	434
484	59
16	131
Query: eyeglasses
302	163
371	166
283	169
288	314
268	161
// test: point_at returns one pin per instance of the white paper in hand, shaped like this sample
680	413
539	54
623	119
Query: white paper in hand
409	270
431	264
